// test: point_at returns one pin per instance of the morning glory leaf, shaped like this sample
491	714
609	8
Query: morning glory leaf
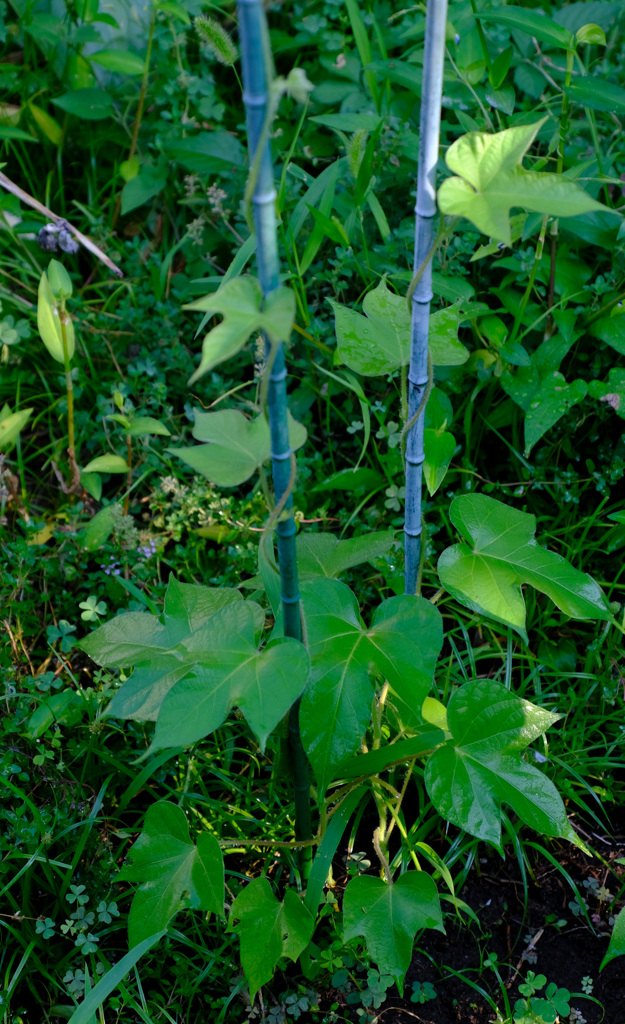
240	302
126	640
438	448
480	767
389	916
235	446
524	385
498	553
231	672
173	871
198	663
269	930
491	180
379	342
402	643
552	400
323	554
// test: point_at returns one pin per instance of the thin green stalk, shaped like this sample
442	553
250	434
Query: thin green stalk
257	71
140	106
564	127
482	37
530	284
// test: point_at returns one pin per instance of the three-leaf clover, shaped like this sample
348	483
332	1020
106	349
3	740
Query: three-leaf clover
45	928
77	895
62	632
93	609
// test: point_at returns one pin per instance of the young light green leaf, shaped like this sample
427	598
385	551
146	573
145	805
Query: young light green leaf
120	62
499	553
617	940
612	391
142	426
389	916
49	323
268	930
240	302
173	871
379	342
235	446
545	29
480	768
107	464
10	425
553	399
590	35
403	643
100	527
491	180
438	449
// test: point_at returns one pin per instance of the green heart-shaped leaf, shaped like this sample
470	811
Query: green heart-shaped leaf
229	672
499	553
491	181
173	871
235	446
403	643
269	930
438	449
379	342
240	302
389	916
553	399
480	768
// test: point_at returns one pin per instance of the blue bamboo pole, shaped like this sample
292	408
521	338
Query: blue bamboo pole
425	210
256	64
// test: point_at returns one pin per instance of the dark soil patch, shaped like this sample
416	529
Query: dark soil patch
565	955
